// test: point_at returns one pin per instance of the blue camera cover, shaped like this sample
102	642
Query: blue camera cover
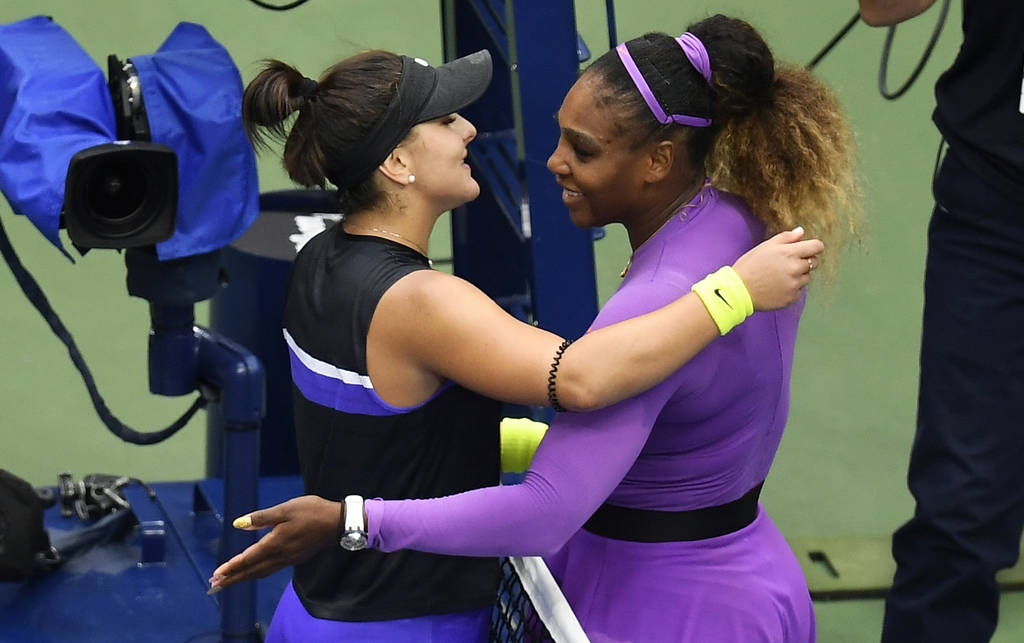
193	97
54	102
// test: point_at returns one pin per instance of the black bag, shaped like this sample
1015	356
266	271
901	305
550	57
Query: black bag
24	544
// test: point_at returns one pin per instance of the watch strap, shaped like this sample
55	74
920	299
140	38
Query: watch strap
352	514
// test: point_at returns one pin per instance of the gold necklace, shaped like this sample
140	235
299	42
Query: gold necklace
412	243
682	215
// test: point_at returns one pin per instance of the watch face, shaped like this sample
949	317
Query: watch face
354	540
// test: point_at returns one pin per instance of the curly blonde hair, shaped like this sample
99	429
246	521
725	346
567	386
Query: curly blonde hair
793	160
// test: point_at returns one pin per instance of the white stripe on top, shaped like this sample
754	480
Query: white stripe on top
323	368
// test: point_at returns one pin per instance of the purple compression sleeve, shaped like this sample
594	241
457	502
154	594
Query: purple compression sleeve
581	460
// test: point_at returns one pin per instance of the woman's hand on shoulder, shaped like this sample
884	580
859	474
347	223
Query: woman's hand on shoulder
776	270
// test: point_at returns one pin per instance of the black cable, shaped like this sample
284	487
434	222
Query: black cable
883	68
35	294
938	159
609	8
835	40
278	7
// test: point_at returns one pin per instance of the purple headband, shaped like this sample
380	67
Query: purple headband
698	57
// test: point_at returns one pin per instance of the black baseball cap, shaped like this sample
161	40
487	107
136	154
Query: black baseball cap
424	93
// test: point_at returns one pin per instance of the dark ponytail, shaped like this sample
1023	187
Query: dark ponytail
779	138
333	116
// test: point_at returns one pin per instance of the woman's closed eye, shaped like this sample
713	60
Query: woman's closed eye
582	145
582	154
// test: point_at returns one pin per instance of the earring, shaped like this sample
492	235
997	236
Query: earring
412	178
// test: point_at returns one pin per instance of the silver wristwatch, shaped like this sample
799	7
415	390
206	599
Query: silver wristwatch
353	532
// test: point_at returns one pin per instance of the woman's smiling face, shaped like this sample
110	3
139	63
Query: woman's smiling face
595	163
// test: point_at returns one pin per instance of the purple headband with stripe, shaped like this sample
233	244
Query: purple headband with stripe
698	57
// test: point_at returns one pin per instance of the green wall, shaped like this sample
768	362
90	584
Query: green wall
844	457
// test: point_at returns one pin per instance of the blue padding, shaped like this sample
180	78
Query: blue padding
53	102
193	97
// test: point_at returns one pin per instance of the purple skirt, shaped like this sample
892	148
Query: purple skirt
743	587
293	624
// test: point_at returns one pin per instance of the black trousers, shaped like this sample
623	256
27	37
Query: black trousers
967	462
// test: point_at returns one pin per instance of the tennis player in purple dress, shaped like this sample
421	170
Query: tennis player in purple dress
647	511
705	437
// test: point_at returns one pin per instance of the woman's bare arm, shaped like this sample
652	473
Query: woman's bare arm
444	325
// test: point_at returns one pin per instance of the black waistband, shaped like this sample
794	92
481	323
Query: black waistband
651	526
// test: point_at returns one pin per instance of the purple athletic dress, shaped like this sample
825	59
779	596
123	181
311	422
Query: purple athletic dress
703	437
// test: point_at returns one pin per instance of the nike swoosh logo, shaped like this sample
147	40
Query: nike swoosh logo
718	292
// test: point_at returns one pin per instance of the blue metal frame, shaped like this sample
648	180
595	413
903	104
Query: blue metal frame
238	375
182	358
516	241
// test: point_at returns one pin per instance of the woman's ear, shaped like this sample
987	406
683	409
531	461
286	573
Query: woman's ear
661	158
395	167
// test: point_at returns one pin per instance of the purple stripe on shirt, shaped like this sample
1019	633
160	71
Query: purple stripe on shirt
339	395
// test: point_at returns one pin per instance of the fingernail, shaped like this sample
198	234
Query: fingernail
799	228
242	523
213	590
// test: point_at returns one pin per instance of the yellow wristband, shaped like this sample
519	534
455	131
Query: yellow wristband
726	298
519	439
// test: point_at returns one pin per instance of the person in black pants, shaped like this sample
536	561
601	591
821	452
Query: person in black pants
966	470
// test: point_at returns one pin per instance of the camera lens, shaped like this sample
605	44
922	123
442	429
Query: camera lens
118	191
121	195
